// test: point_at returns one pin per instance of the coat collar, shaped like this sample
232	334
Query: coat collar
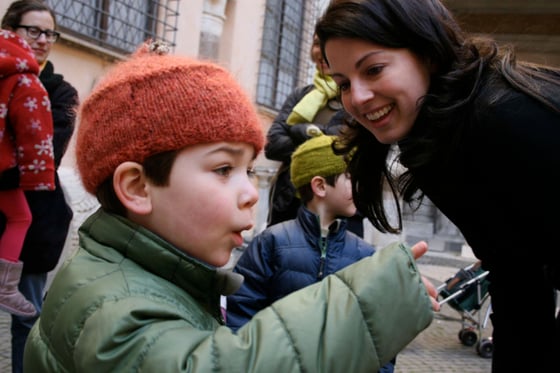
204	282
311	224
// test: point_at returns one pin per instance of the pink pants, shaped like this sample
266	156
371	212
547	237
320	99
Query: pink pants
18	219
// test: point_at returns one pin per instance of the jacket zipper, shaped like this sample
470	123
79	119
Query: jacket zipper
323	244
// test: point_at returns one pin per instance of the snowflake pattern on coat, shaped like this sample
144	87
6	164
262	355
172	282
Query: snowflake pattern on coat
26	128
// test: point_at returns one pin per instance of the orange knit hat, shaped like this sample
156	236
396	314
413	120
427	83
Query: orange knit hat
155	102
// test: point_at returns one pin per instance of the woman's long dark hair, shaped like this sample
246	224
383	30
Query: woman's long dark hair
466	68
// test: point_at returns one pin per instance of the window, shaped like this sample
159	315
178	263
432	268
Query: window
117	25
285	60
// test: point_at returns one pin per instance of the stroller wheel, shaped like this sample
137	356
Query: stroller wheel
468	337
485	348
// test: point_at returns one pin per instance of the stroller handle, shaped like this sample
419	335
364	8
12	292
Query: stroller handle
462	287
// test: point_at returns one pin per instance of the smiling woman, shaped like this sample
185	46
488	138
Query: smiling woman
471	123
380	87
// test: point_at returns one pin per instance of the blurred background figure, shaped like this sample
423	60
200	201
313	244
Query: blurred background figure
35	22
308	110
26	159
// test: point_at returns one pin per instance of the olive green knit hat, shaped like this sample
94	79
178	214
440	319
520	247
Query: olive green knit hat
315	157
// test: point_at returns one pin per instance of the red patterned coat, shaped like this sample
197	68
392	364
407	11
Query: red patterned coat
26	128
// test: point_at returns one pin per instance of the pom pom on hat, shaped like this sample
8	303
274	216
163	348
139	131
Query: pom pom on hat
315	157
155	102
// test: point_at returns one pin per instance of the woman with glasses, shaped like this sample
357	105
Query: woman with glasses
35	22
35	33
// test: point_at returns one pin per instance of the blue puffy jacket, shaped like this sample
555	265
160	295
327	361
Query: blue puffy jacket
288	256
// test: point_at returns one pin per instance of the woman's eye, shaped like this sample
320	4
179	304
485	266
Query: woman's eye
223	171
343	86
374	70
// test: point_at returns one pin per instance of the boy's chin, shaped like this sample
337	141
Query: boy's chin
223	261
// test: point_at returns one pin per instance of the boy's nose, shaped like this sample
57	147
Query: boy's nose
250	195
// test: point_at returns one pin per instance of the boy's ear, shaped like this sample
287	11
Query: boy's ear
319	186
129	183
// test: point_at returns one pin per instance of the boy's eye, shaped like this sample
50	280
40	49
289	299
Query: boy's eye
251	173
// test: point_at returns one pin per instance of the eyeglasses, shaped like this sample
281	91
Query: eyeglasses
35	33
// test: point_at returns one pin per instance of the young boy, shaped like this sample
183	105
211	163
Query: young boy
167	144
299	252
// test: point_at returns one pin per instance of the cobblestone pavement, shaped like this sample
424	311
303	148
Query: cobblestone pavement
436	350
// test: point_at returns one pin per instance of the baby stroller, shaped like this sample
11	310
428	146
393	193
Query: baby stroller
466	292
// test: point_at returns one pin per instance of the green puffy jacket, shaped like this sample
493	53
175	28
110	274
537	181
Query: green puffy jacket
128	301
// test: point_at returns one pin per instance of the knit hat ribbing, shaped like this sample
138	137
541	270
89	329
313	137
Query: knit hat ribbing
315	157
154	103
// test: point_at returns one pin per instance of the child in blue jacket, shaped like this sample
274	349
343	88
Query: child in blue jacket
299	252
